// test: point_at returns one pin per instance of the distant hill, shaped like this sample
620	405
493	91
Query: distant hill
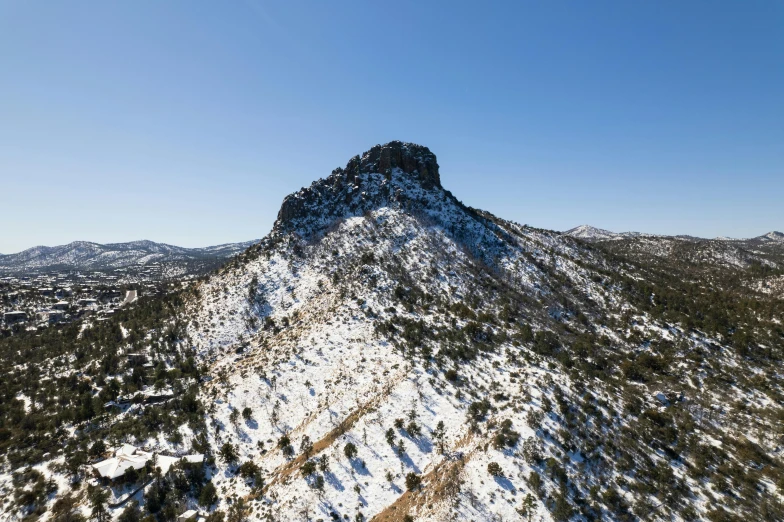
589	232
84	255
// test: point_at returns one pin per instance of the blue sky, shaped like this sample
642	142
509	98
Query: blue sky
187	122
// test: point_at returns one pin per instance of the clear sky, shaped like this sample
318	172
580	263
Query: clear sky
188	121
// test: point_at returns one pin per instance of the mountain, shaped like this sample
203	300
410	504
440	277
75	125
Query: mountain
390	353
778	237
589	232
592	233
83	255
692	252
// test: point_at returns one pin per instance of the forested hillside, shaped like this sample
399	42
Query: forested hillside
390	353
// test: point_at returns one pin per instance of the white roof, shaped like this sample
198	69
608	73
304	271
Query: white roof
128	456
125	457
165	462
127	450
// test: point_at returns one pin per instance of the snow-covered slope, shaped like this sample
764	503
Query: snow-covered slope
388	353
313	315
379	301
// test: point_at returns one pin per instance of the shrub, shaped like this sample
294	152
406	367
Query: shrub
308	468
535	482
478	410
98	448
248	470
495	470
228	453
350	450
413	481
323	463
532	451
284	443
506	436
208	495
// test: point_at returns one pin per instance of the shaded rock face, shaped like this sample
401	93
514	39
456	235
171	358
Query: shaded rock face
412	159
389	174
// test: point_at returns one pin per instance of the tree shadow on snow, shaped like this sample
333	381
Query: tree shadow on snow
423	444
333	481
408	462
252	424
243	436
359	469
505	483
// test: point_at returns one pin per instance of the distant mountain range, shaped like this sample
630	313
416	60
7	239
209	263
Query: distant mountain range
599	234
84	255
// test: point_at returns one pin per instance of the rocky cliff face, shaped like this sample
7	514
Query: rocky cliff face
385	175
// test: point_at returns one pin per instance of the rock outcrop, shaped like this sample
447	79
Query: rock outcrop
365	183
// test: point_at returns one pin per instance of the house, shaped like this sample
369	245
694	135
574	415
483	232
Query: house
60	305
46	291
125	457
50	316
165	462
14	317
87	303
128	456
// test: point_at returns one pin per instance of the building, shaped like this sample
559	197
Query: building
127	456
14	317
51	316
60	305
55	316
188	515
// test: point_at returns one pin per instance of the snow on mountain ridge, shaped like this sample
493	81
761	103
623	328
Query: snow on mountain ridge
394	353
82	255
309	305
589	232
773	236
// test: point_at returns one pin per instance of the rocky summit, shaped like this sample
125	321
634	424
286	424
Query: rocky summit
389	353
387	174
